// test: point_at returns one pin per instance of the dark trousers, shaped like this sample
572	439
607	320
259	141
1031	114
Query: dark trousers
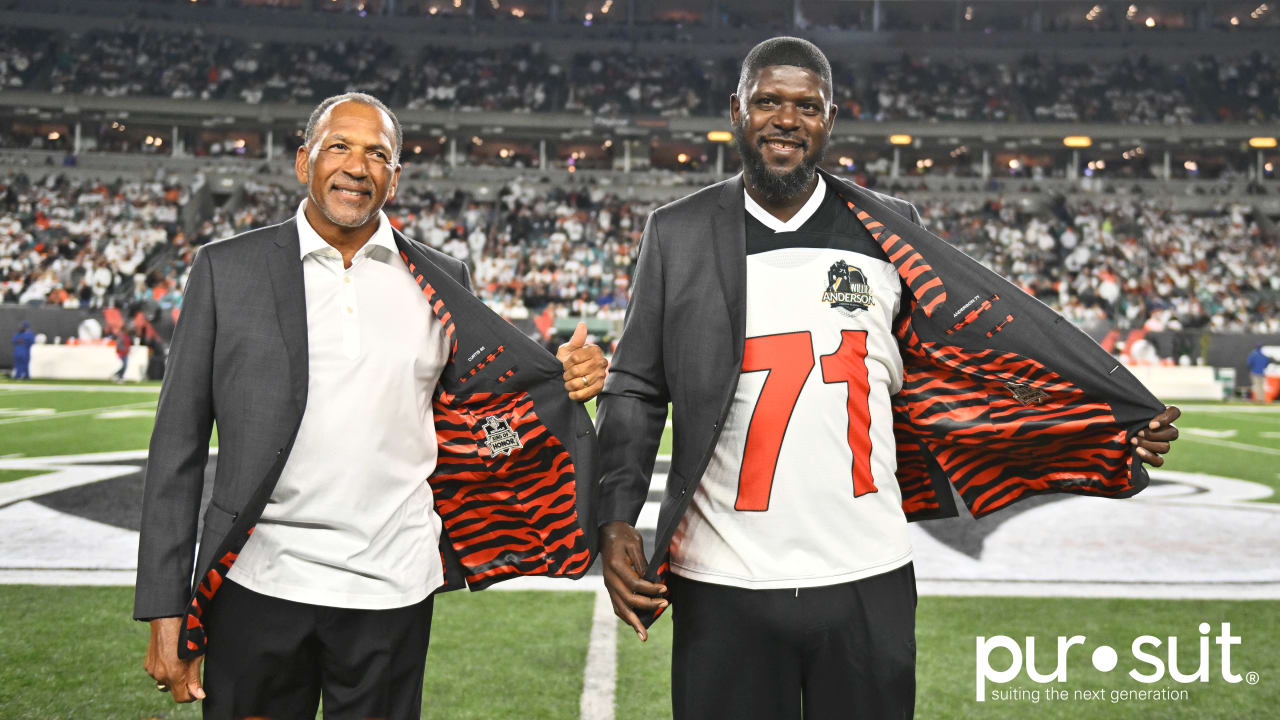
21	367
840	651
273	658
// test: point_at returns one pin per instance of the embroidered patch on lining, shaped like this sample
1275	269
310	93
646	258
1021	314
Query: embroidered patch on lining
1026	394
499	437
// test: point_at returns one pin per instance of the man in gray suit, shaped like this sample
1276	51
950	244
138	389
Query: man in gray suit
823	393
345	365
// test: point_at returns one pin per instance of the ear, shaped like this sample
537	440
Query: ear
831	116
735	108
301	165
395	183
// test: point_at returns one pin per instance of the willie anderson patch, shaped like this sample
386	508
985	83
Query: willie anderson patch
847	289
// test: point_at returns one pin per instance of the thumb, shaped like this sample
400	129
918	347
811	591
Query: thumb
579	336
194	686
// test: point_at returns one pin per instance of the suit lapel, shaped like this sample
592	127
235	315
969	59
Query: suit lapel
729	238
285	269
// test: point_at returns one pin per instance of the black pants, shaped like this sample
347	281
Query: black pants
841	651
274	658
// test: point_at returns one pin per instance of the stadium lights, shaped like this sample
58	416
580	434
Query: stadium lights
1190	166
1093	13
1133	10
417	149
720	136
1235	20
968	12
899	139
1151	22
517	12
1077	141
682	158
1262	142
55	135
1014	164
457	3
433	10
608	144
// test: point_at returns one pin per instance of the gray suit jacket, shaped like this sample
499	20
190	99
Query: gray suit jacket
239	355
1031	405
682	343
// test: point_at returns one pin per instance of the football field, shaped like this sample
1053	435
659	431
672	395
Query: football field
1199	549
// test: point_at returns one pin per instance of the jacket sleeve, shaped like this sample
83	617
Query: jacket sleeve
632	409
178	453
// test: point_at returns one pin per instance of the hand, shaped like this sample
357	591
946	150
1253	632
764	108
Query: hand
181	676
1153	440
622	552
584	366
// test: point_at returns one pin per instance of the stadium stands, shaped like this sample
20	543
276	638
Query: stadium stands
1127	261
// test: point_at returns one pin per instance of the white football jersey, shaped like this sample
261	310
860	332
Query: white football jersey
800	490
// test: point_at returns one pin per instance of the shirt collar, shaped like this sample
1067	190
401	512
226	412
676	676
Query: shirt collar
800	218
309	240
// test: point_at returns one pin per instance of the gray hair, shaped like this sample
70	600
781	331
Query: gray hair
364	99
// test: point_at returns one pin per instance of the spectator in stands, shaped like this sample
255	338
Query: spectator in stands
22	342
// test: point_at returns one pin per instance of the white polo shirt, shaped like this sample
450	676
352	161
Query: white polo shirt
351	522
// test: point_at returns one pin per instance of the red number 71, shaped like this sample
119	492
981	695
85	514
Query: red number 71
788	358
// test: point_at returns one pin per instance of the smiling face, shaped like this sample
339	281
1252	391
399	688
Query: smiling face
349	168
781	124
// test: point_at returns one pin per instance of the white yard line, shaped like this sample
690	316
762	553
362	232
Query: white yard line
1273	409
1236	445
599	679
75	413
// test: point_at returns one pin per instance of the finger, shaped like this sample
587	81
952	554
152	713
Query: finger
1169	414
1164	434
1149	457
194	686
629	617
1154	447
634	553
579	336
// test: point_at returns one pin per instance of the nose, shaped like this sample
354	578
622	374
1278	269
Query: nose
787	117
355	165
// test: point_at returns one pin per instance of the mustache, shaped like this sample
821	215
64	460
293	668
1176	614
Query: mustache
761	141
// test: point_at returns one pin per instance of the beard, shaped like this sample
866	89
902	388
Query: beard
776	187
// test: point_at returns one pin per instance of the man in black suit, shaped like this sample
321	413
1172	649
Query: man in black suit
802	330
382	436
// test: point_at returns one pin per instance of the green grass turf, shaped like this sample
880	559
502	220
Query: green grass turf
946	632
1192	453
11	475
73	652
59	434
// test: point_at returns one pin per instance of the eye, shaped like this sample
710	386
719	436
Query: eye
766	102
381	155
337	147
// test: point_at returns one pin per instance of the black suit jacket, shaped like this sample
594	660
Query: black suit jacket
1035	406
516	470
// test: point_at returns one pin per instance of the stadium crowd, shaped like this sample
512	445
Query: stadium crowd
1122	260
527	78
